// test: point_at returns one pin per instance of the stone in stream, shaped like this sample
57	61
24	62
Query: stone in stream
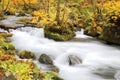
24	54
45	59
73	59
55	69
52	68
7	26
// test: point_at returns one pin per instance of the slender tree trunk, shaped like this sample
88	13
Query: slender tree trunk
48	6
3	7
7	5
58	12
25	4
64	12
102	3
94	7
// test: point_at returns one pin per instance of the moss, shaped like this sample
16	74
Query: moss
26	54
6	45
111	35
19	69
59	33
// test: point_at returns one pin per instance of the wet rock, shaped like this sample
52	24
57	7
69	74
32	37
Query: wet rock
24	54
73	59
54	69
45	59
7	26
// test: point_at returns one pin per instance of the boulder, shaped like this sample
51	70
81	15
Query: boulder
7	26
73	59
24	54
111	35
45	59
59	33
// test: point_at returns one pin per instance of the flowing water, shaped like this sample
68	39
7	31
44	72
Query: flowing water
99	61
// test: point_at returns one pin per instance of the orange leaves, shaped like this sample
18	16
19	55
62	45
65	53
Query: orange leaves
94	24
1	73
5	57
99	29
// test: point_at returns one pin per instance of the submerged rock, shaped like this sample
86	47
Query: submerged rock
45	59
24	54
73	59
54	69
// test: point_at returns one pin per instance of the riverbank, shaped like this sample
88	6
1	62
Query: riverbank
13	69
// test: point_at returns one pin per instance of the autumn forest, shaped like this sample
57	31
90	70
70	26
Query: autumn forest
59	39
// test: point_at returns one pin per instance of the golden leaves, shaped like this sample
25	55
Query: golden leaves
94	24
99	29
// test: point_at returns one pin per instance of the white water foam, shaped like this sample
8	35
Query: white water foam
97	59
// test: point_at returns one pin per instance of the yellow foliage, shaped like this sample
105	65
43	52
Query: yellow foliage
112	6
99	29
94	24
25	2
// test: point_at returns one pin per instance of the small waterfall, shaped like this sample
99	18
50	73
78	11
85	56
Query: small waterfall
97	58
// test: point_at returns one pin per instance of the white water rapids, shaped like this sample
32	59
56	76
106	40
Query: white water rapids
99	61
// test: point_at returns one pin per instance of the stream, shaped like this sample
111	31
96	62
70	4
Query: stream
99	61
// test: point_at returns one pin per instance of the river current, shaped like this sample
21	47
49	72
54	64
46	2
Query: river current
99	61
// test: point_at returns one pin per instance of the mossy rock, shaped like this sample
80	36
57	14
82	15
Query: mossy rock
91	32
59	33
111	35
24	54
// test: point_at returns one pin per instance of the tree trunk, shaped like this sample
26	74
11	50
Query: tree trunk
3	7
58	12
94	8
7	5
63	11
